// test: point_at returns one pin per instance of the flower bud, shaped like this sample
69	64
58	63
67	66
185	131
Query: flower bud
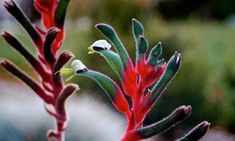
78	66
101	44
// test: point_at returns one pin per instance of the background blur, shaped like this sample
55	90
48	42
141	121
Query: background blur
202	30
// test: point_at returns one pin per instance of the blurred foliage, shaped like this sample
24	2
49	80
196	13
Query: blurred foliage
203	9
117	11
114	12
206	79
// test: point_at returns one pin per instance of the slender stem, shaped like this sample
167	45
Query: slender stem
60	131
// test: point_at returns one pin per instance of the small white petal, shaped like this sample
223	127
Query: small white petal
103	44
77	65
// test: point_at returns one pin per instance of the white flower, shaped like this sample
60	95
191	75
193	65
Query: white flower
101	44
77	66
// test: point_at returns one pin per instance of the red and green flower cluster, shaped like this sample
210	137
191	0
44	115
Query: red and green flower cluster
143	82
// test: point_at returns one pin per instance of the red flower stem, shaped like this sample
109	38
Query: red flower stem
60	131
59	124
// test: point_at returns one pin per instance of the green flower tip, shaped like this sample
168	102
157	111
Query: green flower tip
175	62
143	44
138	28
99	25
156	51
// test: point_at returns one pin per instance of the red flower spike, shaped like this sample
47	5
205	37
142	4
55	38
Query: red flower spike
144	83
46	63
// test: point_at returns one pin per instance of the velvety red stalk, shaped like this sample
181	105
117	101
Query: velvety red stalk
52	43
47	62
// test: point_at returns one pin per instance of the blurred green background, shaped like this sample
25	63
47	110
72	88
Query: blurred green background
202	30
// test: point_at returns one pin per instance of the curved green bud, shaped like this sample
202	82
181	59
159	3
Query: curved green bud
172	68
110	33
154	55
137	29
174	118
197	132
142	47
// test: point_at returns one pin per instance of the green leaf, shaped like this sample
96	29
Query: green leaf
108	85
137	29
110	33
154	55
60	13
197	132
172	68
112	58
174	118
